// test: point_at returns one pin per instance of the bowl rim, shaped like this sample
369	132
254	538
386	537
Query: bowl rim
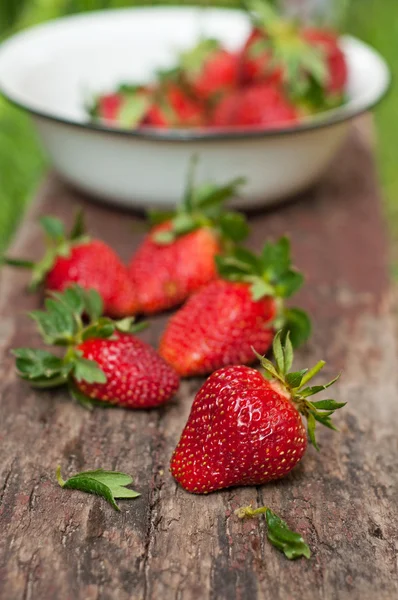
323	120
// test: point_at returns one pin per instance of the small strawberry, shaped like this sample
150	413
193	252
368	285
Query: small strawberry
173	107
178	255
261	105
246	429
219	325
209	70
327	41
279	53
78	259
103	360
126	107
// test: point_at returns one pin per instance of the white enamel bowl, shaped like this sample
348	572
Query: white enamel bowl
52	69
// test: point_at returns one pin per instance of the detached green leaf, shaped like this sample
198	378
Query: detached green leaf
287	541
108	484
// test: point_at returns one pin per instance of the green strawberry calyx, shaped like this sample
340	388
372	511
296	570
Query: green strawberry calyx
279	535
295	384
271	274
58	243
304	66
203	207
62	324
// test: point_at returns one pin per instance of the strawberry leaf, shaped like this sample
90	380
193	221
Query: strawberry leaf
78	228
294	379
94	305
108	484
279	535
33	364
53	228
133	110
233	226
72	299
328	405
287	541
297	322
88	371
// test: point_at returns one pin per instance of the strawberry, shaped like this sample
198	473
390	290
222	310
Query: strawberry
209	70
172	106
78	259
261	105
327	41
246	429
219	325
279	52
103	360
177	257
126	107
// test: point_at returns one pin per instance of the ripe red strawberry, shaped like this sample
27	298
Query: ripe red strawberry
172	106
109	107
177	257
136	375
220	324
327	41
261	105
209	70
91	264
245	429
103	361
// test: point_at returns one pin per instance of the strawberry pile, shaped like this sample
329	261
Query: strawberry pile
284	72
245	427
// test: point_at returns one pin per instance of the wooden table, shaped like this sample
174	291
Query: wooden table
168	544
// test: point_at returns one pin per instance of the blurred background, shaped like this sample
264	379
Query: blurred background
22	163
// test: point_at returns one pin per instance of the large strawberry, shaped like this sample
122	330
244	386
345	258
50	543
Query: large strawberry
103	360
177	257
261	105
209	70
219	325
246	428
76	258
280	52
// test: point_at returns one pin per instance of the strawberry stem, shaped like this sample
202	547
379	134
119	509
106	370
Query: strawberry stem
59	477
250	512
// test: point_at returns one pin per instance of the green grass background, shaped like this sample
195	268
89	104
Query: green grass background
22	162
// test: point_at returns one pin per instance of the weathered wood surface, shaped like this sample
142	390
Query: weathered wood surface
57	544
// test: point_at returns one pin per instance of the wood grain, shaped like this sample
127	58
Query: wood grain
167	544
